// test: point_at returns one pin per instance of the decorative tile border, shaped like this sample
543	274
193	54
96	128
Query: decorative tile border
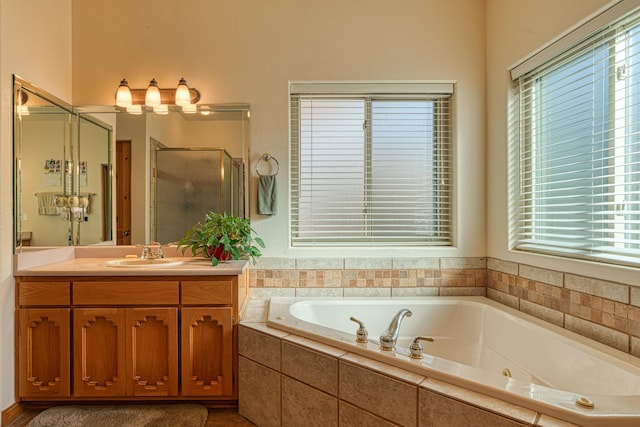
331	277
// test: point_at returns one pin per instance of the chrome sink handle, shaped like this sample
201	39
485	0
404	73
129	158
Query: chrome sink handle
416	347
361	333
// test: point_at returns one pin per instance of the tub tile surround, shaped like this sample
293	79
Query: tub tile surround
605	311
316	384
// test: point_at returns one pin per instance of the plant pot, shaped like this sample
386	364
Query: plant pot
219	253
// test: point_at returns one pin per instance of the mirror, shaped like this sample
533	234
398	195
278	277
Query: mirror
182	167
114	143
62	176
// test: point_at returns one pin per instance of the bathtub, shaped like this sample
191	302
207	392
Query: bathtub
483	346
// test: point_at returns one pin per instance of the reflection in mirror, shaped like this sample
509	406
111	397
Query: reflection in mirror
182	166
63	167
62	172
187	184
94	178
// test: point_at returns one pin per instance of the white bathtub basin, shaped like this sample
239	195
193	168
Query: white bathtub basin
143	263
477	342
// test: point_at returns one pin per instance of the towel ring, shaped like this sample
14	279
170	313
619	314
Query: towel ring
267	158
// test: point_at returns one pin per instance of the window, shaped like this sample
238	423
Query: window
577	138
370	164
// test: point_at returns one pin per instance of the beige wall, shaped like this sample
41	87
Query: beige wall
248	51
509	40
37	47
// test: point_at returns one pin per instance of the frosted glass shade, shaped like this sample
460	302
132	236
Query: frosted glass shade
183	96
152	97
123	95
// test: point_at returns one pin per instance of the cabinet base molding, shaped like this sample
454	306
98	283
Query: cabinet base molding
13	412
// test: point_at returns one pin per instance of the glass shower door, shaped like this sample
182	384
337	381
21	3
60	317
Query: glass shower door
188	183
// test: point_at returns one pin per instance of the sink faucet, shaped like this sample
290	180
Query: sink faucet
149	253
390	336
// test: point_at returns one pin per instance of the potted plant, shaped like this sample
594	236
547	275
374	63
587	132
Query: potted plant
222	237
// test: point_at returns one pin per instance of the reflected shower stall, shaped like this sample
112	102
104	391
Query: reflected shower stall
187	183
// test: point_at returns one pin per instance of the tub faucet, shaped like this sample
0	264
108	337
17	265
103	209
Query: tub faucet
390	336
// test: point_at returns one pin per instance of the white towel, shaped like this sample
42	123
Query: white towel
47	203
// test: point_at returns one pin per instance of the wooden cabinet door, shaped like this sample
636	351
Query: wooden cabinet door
43	351
207	351
152	351
99	352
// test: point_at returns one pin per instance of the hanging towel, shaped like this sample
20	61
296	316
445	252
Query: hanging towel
267	195
47	203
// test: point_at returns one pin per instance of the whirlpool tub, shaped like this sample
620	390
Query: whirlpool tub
483	346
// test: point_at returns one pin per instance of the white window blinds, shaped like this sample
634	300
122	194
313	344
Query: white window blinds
370	164
578	143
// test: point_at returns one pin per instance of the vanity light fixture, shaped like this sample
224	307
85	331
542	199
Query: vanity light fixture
152	96
123	95
161	109
190	109
22	108
183	97
134	109
157	98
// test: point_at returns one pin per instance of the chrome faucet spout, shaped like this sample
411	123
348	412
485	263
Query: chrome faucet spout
390	335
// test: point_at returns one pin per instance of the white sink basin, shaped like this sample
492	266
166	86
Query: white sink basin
143	263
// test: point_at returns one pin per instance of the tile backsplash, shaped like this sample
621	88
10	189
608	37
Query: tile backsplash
606	311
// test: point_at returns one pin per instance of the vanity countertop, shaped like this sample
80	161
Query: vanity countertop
86	262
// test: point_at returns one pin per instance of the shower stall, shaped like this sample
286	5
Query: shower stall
187	183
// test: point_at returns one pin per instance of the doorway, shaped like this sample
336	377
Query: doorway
123	192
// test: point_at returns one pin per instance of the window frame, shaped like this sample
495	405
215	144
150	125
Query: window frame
600	244
369	92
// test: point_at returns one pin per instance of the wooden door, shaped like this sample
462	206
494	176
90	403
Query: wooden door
123	192
152	351
43	353
99	352
207	352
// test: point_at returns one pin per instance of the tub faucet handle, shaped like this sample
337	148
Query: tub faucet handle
361	333
416	347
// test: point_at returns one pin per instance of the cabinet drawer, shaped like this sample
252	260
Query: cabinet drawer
44	293
199	292
125	293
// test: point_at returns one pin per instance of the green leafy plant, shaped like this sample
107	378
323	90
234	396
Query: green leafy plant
222	237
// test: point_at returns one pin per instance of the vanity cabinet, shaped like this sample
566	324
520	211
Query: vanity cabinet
155	337
125	352
207	337
43	336
43	348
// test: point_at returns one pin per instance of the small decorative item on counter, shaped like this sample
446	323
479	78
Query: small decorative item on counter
222	237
